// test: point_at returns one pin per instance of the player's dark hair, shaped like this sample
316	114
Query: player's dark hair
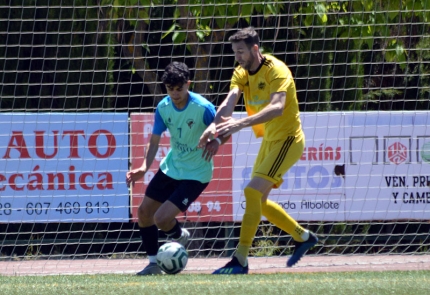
247	35
176	74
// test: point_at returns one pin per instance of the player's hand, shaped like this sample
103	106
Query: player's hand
210	150
228	126
132	176
207	134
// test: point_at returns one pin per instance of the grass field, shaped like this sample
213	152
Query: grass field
390	282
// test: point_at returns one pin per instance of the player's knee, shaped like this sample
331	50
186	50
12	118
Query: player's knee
162	221
144	216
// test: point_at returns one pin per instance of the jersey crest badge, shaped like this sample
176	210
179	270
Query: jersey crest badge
190	123
261	85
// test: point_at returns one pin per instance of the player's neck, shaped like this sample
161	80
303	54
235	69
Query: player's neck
257	64
182	103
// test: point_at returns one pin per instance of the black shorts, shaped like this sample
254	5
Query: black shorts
180	192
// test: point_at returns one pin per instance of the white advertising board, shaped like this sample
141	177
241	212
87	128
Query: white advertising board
356	166
311	189
63	167
388	169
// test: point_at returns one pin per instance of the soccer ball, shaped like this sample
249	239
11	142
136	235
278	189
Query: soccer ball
172	258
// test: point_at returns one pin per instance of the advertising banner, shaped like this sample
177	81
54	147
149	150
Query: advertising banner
388	168
215	202
313	189
63	167
356	166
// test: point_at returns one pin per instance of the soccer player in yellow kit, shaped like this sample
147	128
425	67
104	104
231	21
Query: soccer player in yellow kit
271	103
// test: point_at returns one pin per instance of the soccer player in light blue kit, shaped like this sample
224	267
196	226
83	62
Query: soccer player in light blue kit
185	171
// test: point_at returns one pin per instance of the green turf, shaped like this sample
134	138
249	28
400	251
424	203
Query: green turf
336	283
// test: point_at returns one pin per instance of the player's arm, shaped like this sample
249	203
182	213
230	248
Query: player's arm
274	109
151	151
225	110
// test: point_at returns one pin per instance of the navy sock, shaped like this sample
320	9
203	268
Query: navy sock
175	232
149	237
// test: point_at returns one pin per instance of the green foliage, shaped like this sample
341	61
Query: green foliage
72	76
375	95
349	28
344	50
221	14
130	10
265	246
421	59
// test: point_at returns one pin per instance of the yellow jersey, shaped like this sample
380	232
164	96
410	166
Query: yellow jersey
272	76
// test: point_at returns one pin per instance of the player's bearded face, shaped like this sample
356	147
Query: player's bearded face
247	64
243	55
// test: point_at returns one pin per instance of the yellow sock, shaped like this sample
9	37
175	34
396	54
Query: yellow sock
250	221
276	215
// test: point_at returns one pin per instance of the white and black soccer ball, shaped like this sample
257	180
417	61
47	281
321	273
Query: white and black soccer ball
172	258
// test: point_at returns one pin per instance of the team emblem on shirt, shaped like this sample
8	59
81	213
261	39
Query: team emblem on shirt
190	123
261	85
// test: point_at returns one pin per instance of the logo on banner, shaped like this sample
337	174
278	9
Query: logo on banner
397	153
425	152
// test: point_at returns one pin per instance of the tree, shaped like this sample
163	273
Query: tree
52	59
365	50
200	27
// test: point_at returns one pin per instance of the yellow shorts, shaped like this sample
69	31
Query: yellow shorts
275	158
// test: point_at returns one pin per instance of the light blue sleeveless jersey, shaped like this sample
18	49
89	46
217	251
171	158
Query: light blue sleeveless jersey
184	160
